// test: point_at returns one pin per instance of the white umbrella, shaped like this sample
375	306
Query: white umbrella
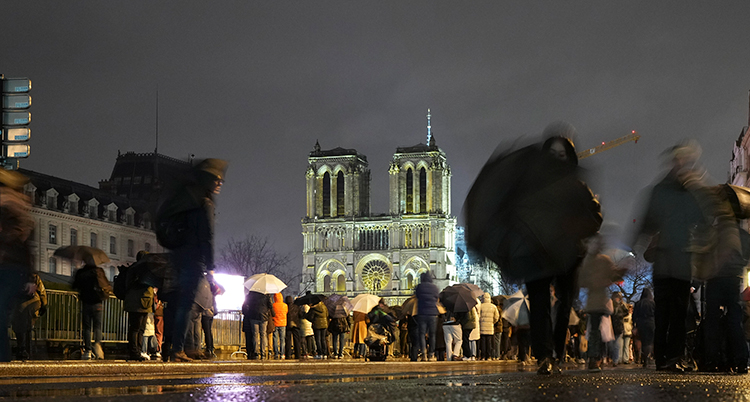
364	302
517	312
264	283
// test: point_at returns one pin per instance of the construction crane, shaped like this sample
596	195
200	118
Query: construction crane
609	145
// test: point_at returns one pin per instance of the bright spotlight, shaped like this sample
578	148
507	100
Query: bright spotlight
234	292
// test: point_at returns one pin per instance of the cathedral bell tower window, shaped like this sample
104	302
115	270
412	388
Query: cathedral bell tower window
409	191
326	195
340	194
422	190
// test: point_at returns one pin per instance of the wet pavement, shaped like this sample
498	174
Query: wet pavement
351	380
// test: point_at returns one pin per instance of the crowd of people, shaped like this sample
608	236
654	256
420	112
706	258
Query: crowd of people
544	237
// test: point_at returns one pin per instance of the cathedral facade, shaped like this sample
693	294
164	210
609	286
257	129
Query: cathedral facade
348	250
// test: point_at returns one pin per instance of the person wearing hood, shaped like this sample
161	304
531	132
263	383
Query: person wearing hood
280	310
488	317
191	211
427	312
257	310
643	318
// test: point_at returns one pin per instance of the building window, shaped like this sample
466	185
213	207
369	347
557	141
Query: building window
73	205
129	219
53	265
409	191
147	179
340	194
52	234
112	215
94	243
327	283
112	245
131	248
126	180
341	283
422	190
73	237
326	195
147	247
137	180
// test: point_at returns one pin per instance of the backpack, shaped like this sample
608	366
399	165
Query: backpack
120	282
172	230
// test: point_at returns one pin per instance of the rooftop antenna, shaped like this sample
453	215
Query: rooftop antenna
429	127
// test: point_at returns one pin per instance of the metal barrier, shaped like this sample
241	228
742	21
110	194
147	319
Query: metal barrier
62	323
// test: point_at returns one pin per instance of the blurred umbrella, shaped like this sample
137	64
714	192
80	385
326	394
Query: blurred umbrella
516	309
475	290
338	306
365	302
152	269
264	283
458	299
89	255
527	211
309	298
409	308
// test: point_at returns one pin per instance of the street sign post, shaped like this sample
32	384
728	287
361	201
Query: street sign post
14	132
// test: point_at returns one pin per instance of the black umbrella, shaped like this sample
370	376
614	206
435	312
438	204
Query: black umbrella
475	290
527	211
457	299
309	298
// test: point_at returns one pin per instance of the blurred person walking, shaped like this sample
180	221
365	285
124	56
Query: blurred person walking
645	323
93	288
529	211
185	225
16	266
672	212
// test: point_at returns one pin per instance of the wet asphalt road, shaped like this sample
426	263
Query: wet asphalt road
352	381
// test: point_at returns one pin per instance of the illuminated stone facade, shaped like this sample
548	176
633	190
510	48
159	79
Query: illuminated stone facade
349	250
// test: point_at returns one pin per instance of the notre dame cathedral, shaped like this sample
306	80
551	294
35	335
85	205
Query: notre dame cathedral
349	250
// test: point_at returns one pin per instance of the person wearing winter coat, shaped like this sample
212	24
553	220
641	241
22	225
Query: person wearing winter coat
470	332
139	302
338	327
308	335
27	311
280	310
620	310
318	316
645	323
93	288
257	310
359	333
293	336
427	312
488	317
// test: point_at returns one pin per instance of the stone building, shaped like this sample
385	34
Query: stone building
349	250
116	217
69	213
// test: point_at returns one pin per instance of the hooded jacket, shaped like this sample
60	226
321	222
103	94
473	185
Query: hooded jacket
294	313
427	295
643	311
488	316
280	310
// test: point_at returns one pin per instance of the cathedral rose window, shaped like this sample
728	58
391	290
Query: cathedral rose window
375	275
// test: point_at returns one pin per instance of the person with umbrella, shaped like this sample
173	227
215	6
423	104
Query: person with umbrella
185	225
539	213
257	310
427	312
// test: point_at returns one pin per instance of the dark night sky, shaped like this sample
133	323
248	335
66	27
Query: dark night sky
258	83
